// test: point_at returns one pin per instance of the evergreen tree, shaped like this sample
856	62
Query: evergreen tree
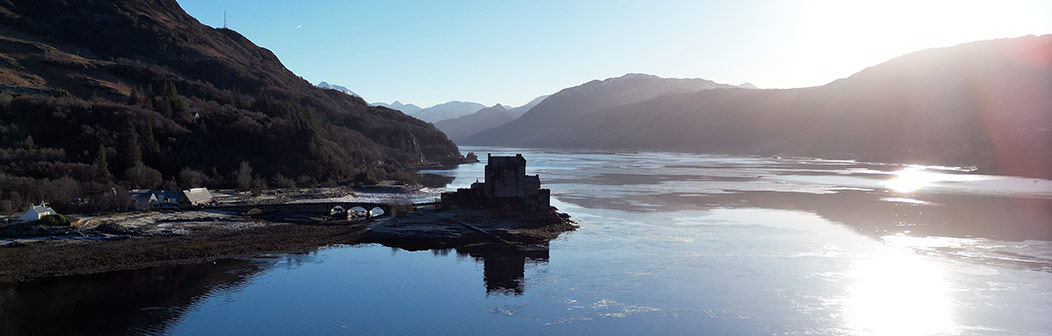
149	143
130	150
169	90
101	162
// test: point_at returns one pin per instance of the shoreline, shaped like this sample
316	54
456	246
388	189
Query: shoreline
198	236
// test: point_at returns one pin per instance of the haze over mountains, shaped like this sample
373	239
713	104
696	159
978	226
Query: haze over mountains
568	105
986	103
458	129
447	110
463	127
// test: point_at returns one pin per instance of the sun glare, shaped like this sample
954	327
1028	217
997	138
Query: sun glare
899	293
911	179
914	178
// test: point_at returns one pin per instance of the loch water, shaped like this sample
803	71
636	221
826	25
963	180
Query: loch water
669	243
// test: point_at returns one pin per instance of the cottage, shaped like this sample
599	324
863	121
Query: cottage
156	199
144	200
195	197
36	212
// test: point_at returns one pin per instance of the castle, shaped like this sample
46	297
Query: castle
506	185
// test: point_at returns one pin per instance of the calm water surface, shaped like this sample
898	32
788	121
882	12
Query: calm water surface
669	244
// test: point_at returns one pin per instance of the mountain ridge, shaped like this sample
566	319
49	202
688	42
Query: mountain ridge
986	104
571	103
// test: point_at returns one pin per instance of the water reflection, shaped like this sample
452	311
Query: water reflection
119	302
914	178
154	300
899	293
504	270
911	179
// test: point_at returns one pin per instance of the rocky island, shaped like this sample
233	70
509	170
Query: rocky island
508	209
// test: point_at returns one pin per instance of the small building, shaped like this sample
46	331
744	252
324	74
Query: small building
145	200
36	212
506	184
156	199
195	197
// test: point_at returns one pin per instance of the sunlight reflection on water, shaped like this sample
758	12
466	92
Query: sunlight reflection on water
913	178
898	292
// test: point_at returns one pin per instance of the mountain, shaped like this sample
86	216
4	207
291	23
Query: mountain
460	128
747	85
551	117
325	85
448	110
517	112
139	93
986	103
408	109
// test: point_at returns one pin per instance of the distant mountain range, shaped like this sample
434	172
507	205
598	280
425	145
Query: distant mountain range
408	109
448	110
325	85
555	114
987	104
465	126
457	109
460	128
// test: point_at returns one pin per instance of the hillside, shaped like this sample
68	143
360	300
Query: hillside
139	93
987	104
460	128
551	116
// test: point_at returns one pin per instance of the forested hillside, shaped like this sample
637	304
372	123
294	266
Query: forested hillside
101	96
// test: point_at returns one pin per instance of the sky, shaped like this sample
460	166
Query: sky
509	52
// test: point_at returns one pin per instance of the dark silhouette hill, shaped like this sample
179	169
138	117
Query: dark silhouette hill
91	89
986	103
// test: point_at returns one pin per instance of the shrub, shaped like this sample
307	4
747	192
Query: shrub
54	220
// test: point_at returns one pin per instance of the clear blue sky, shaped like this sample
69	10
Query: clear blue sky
428	52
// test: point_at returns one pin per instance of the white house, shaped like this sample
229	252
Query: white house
36	212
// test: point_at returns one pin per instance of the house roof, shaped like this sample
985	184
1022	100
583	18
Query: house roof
197	195
148	196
